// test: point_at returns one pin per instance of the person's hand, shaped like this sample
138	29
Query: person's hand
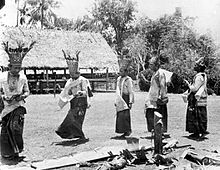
79	93
88	106
81	113
187	82
130	105
19	98
5	98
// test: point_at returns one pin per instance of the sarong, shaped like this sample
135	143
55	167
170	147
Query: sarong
196	116
196	120
11	132
149	114
123	119
71	127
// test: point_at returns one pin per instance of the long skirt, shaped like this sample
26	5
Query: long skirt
123	118
71	127
196	119
12	133
149	114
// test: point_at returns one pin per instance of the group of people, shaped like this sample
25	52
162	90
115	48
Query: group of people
157	99
77	91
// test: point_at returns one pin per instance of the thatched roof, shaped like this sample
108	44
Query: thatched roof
47	52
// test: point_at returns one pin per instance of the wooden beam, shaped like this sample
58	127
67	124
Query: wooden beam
87	156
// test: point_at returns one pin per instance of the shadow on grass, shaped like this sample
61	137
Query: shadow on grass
118	137
74	142
14	161
198	139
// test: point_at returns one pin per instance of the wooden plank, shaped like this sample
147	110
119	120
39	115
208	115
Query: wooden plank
92	155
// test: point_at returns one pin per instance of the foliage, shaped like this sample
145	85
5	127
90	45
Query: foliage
176	43
39	11
64	23
114	15
47	3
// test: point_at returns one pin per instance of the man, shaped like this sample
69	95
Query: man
77	92
13	89
157	96
124	101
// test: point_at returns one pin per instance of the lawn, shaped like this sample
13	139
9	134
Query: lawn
43	117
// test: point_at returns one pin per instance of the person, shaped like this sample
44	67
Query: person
124	102
196	116
13	89
77	91
157	97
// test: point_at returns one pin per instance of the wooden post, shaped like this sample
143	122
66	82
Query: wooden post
158	129
55	84
47	80
92	82
35	74
107	79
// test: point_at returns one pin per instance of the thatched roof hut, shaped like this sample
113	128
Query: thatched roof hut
47	52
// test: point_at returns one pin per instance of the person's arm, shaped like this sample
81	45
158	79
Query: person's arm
131	92
84	88
162	86
199	80
25	91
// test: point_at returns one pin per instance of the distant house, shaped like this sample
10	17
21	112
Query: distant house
47	52
46	57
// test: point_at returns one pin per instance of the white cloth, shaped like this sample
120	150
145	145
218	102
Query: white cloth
120	104
158	88
22	84
168	74
75	86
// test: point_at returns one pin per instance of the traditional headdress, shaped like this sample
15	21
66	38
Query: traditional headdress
16	55
72	61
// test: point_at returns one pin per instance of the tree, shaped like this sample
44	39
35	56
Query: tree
64	23
116	16
176	43
39	11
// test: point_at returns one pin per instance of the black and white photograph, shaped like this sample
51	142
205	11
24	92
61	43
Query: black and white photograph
110	84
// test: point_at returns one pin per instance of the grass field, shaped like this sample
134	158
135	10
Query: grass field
43	118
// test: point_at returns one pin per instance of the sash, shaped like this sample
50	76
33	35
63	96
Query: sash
120	104
201	93
64	97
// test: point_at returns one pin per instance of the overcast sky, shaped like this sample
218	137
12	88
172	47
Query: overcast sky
207	11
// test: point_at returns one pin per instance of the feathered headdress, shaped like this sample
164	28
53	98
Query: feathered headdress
16	55
72	61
